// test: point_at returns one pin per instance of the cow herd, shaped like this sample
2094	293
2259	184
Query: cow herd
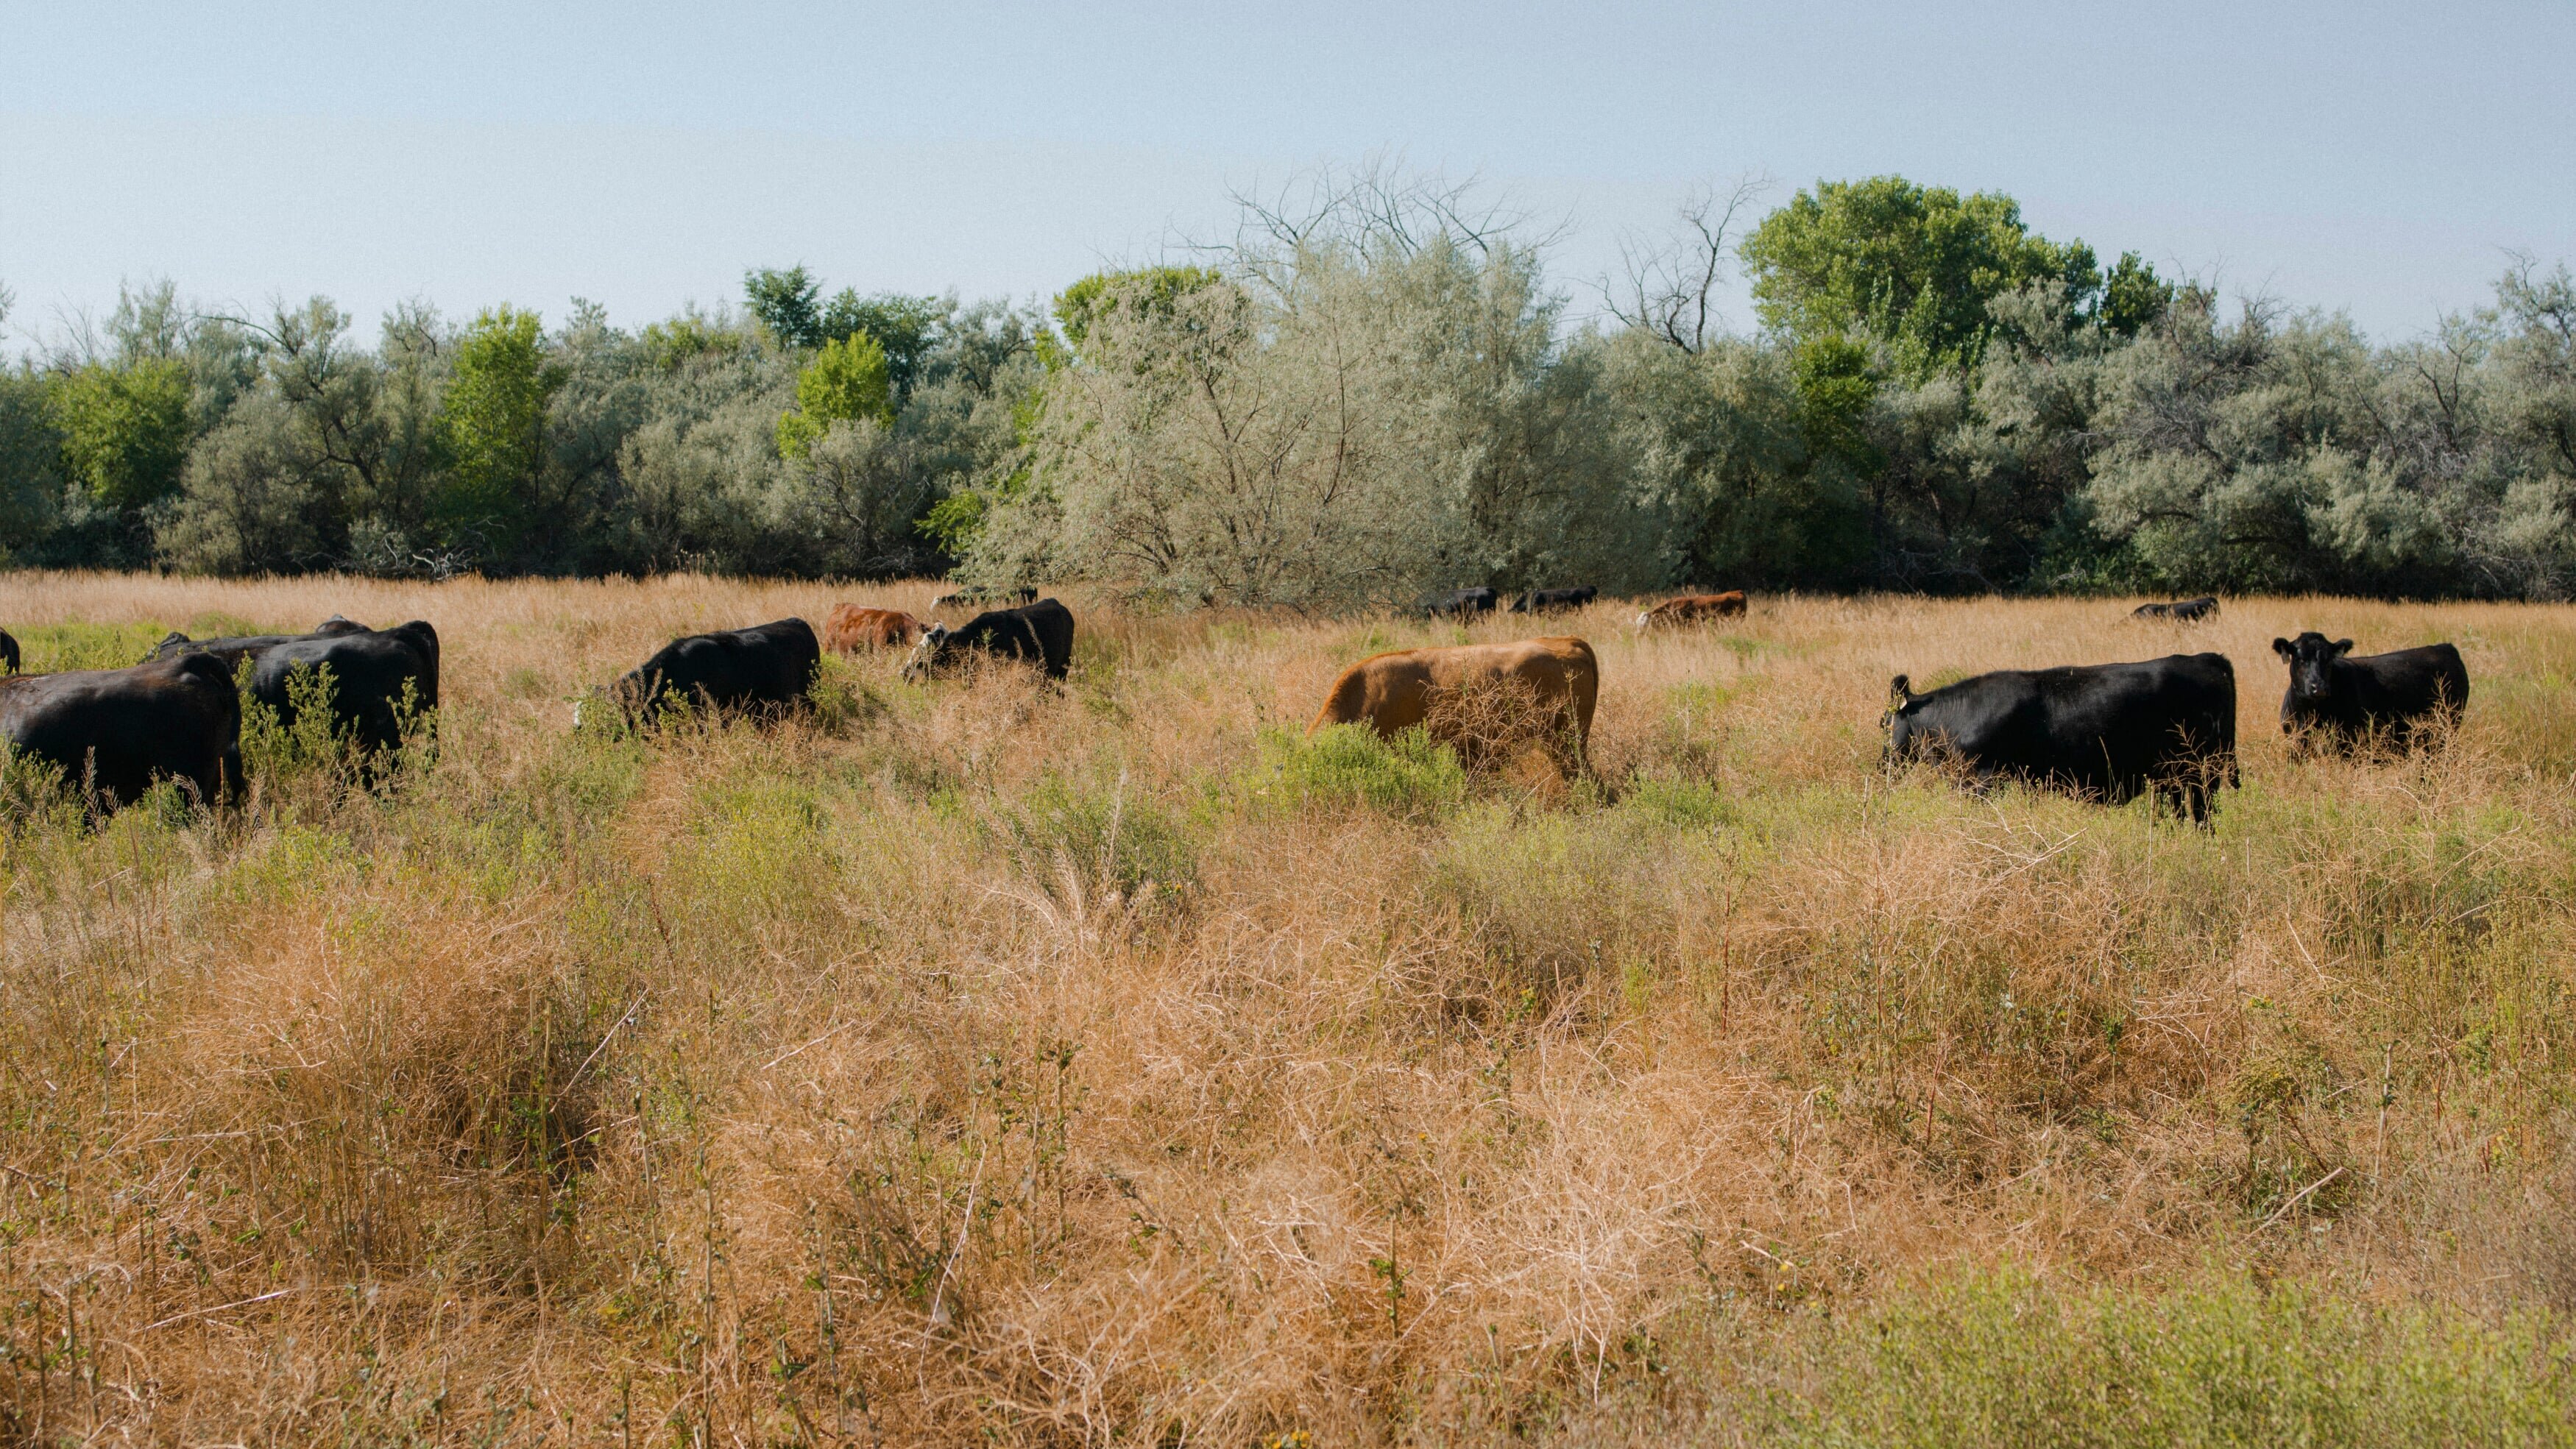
2108	732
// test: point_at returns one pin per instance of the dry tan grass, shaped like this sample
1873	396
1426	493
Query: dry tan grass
987	1059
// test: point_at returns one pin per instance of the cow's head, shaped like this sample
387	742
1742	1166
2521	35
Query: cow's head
1899	719
926	652
2311	658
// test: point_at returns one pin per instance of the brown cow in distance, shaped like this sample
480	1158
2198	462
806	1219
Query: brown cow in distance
1394	692
852	627
1692	609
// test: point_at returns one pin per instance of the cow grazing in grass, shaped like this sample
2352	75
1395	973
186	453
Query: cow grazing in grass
970	598
8	653
2181	611
1396	691
381	679
764	670
1464	603
1693	609
2340	701
1546	601
113	732
852	627
1039	633
2109	732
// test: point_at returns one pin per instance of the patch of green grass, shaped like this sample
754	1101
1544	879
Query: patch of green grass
1116	836
1666	800
50	648
1349	766
1998	1358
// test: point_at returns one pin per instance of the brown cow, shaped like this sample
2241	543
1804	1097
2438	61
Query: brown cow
1396	691
1692	609
850	627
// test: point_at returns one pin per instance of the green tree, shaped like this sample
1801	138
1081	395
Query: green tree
2134	298
124	429
494	416
1913	266
846	381
906	327
786	302
1147	291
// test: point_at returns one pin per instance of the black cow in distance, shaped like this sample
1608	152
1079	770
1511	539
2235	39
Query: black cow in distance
763	670
1039	633
113	732
2339	700
1542	601
1464	603
8	653
2181	611
2110	732
380	678
967	598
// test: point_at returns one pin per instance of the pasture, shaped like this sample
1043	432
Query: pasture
985	1061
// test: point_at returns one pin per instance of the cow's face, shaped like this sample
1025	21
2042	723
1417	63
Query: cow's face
2311	659
926	652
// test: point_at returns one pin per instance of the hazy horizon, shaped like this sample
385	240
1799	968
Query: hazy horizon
2385	163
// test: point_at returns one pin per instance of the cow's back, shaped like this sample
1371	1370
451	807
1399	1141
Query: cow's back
2107	729
371	672
113	732
1392	692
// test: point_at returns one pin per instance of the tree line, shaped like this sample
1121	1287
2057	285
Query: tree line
1366	395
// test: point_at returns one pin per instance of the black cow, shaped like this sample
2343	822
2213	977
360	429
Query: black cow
2108	731
113	732
2339	699
1465	603
371	671
8	653
1041	633
765	669
1540	601
2182	611
967	598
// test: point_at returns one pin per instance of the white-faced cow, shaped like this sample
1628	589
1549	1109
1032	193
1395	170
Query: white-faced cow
113	732
380	679
2110	732
2340	701
764	670
1039	633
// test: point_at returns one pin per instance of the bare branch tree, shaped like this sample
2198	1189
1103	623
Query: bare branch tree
1377	205
1668	283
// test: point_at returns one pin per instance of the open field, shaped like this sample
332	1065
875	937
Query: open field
983	1062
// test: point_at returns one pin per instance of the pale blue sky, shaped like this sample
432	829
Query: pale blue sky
2378	158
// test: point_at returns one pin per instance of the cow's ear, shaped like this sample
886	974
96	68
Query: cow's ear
2342	647
2282	648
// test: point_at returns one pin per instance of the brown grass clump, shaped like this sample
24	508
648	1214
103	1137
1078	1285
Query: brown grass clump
1111	1063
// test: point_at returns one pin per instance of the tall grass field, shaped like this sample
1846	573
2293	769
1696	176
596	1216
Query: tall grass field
980	1061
